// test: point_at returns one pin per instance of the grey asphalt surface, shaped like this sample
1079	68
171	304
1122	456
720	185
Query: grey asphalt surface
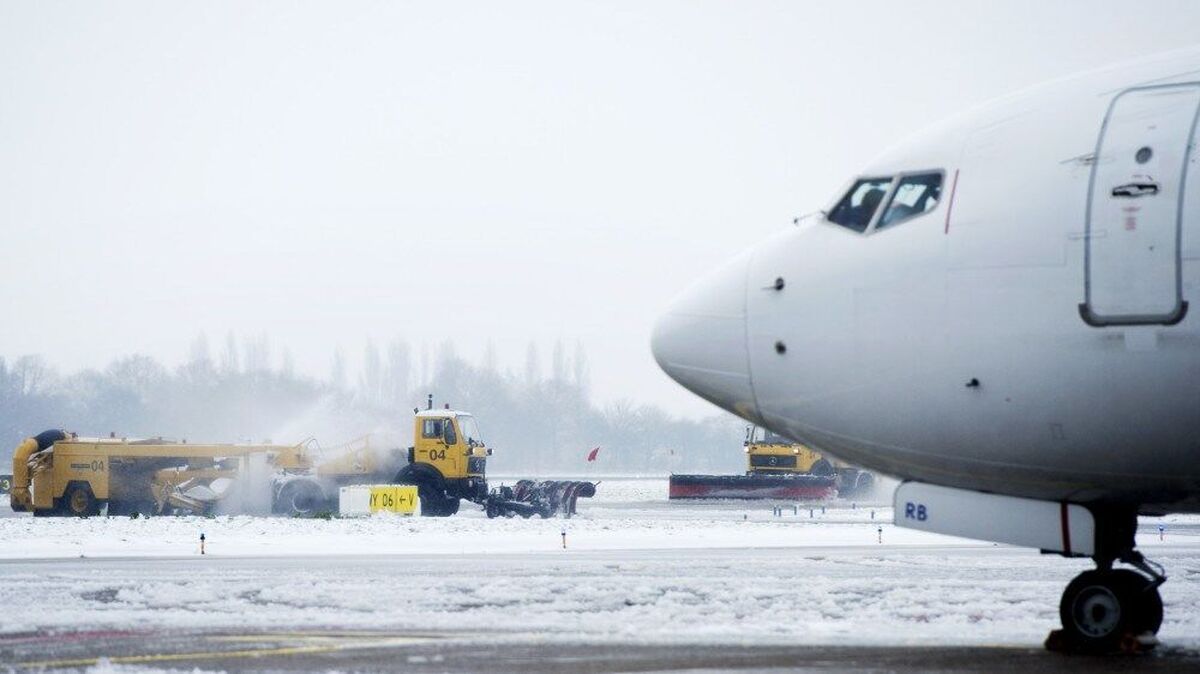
431	652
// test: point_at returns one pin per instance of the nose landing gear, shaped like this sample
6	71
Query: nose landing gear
1109	610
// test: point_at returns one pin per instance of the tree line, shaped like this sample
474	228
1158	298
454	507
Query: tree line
539	422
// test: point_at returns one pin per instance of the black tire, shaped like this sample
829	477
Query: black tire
1101	609
865	483
431	488
435	506
78	501
434	502
1148	604
300	497
822	467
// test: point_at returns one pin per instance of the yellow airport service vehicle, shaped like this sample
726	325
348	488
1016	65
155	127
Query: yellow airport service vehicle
59	474
55	473
448	464
769	453
777	468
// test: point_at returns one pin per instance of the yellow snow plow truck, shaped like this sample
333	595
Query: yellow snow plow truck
448	464
56	473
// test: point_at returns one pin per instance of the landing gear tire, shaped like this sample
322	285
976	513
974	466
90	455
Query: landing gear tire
1106	611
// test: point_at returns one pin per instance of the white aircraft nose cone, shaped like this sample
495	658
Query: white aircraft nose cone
700	341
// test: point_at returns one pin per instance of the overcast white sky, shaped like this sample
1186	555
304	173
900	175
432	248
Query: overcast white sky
332	172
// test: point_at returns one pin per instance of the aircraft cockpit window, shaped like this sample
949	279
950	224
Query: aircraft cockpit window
857	209
915	194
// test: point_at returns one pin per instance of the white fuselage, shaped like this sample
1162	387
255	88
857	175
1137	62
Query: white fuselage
1028	335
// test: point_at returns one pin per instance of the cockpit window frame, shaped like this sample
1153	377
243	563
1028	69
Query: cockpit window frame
845	194
886	202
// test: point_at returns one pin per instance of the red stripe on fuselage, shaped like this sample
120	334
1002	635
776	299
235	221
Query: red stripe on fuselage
950	205
1066	528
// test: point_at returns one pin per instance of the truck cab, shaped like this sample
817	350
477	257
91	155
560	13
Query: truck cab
770	454
447	462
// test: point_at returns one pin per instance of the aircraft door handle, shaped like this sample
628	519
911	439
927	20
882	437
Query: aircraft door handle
1135	189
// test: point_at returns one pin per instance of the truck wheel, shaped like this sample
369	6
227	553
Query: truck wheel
300	497
79	501
436	504
865	483
822	467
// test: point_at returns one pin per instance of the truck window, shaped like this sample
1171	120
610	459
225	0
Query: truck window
470	429
431	428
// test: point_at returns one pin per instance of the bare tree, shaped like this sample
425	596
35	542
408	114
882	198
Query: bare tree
397	373
371	376
229	356
30	375
337	373
558	363
533	365
580	375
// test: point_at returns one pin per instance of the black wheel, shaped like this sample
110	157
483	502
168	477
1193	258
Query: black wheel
300	497
78	501
822	467
847	482
434	502
1148	606
864	483
1101	609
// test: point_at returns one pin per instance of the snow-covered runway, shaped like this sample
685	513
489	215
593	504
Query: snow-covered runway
636	570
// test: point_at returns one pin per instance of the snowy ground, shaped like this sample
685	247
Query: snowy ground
637	569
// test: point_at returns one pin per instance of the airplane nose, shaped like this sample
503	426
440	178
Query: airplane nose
700	341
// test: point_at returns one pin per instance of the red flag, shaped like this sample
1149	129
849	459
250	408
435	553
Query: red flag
592	454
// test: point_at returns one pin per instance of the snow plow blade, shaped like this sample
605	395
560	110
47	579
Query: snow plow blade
528	498
790	487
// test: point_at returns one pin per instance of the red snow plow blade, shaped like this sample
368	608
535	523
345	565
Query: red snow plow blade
789	487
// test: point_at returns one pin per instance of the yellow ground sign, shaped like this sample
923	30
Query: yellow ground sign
395	499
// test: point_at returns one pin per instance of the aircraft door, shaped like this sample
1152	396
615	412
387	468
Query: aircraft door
1135	202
